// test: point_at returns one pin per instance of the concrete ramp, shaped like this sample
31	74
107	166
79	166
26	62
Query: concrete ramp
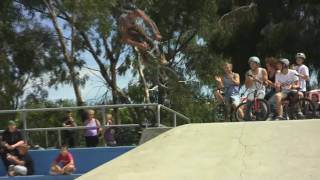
281	150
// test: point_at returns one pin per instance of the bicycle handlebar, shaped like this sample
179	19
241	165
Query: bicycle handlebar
257	80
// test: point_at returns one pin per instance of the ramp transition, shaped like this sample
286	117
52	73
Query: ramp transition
284	150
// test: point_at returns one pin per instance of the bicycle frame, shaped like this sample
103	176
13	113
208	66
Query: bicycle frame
256	105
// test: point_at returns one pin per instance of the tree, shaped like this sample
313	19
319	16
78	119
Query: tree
267	28
27	53
68	57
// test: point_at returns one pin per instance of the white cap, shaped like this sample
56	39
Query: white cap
301	55
254	59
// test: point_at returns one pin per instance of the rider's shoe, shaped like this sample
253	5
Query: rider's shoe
300	115
278	118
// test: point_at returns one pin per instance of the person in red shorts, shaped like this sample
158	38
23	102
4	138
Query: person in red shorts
64	163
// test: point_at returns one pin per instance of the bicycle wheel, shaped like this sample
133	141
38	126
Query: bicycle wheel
253	111
303	109
239	112
287	113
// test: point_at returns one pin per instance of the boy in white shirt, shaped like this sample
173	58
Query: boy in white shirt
256	79
287	81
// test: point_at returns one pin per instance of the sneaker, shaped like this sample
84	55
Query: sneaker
300	115
278	118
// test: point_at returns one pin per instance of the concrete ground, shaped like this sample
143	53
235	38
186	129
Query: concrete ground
274	150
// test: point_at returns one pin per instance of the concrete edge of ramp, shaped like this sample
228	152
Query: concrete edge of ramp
150	133
246	150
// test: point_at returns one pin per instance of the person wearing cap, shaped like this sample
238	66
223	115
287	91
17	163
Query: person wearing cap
256	79
11	139
303	71
286	82
23	163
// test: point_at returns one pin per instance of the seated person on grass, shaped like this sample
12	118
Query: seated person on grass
64	163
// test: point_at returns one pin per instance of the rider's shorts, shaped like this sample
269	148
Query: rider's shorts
269	93
234	99
284	94
136	36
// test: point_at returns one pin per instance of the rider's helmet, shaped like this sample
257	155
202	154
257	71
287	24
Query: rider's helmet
285	62
254	59
301	55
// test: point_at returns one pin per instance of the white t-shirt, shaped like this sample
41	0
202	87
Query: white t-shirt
288	78
256	85
304	70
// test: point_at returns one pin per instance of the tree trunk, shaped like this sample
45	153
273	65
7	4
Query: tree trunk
114	93
144	81
68	59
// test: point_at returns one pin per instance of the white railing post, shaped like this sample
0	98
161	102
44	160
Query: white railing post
158	115
47	140
174	119
59	137
24	121
103	113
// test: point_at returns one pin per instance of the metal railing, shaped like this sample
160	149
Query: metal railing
60	129
103	108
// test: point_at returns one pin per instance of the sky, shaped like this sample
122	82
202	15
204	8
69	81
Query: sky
94	88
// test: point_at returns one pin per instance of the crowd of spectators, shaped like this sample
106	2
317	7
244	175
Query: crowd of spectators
18	162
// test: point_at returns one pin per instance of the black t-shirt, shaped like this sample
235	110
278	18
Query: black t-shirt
28	163
11	137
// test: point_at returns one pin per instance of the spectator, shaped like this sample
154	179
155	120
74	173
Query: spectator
110	132
93	130
229	83
23	162
64	163
256	79
69	135
11	139
303	72
271	67
286	83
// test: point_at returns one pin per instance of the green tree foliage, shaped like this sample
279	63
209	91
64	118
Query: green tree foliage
277	28
28	51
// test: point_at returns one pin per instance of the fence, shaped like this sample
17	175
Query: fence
103	108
